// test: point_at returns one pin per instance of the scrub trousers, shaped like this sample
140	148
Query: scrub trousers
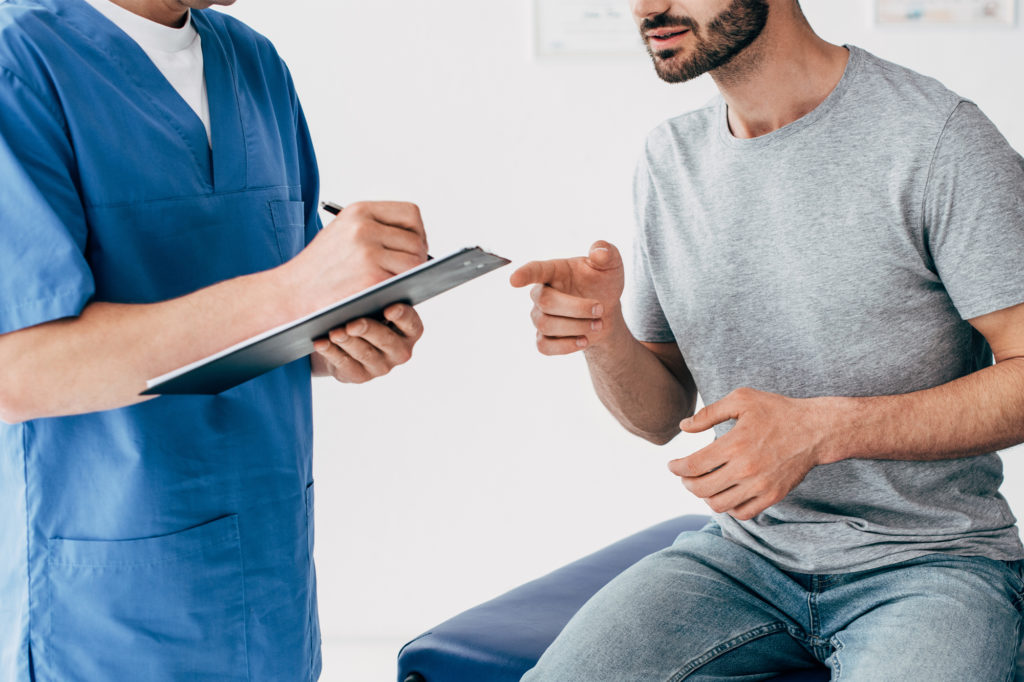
708	610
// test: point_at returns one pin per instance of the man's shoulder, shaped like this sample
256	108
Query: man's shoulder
902	95
683	133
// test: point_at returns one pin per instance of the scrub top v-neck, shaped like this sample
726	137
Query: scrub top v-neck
176	51
173	539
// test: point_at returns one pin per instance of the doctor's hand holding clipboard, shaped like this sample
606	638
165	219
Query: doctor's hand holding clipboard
364	245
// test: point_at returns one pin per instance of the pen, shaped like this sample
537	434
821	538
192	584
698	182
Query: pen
335	209
331	207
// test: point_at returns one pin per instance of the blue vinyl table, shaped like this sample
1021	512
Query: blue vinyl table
500	640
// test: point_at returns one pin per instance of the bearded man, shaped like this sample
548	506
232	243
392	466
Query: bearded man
830	254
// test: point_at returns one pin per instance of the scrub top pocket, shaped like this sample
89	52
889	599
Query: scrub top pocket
159	609
290	227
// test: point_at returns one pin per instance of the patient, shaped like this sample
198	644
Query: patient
829	253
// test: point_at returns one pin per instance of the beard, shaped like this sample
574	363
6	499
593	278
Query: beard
716	44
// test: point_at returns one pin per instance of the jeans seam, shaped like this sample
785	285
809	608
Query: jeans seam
724	647
1010	676
837	645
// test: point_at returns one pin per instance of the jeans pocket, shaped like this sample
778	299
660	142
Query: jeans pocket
161	609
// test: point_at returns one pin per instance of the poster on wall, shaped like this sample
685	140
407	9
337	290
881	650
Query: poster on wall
584	27
946	12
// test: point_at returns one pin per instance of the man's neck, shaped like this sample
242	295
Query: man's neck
167	12
784	75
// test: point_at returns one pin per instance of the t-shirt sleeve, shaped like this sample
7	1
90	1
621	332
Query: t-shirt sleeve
642	310
44	275
974	215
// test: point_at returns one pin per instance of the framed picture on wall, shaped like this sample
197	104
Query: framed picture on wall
584	27
946	12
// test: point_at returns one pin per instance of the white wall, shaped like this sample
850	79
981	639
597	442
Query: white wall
483	464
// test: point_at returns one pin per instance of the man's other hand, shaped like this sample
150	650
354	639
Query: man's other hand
366	349
576	300
775	442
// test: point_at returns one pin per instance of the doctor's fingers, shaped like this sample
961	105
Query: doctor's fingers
395	213
343	366
394	347
400	239
406	320
371	237
369	358
393	262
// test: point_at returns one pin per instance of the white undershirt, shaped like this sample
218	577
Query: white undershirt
177	52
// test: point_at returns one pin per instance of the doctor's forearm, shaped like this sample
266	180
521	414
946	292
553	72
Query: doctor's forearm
102	359
975	414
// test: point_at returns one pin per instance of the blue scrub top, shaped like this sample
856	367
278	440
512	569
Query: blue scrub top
170	540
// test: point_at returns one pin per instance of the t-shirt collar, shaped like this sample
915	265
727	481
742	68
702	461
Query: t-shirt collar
150	35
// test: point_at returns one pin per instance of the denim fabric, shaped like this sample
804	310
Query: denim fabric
708	609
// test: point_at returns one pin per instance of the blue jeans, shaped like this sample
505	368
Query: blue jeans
706	609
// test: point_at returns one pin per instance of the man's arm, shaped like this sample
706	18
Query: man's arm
973	415
101	359
646	386
777	440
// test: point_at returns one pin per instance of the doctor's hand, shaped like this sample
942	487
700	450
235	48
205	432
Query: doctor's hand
366	244
775	442
366	349
576	300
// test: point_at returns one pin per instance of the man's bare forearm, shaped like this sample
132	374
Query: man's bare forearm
102	359
975	414
638	389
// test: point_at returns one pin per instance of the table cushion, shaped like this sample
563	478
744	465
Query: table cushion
501	639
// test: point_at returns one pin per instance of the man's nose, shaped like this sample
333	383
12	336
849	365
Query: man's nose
644	9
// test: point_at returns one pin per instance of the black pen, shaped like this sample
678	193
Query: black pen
331	207
335	209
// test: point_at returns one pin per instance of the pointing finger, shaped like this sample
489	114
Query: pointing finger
534	272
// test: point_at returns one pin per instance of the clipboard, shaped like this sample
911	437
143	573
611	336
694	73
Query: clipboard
294	340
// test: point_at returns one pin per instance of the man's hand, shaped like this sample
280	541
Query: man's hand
775	442
366	349
576	300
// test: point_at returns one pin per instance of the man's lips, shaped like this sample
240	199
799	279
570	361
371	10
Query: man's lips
665	36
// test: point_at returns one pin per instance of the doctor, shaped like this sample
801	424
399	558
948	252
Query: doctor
158	194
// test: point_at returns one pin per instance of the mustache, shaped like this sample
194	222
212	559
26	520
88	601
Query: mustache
667	21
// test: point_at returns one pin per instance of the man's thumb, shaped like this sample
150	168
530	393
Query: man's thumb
604	256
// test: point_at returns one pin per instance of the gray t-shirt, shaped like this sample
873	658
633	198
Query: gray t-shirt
840	256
